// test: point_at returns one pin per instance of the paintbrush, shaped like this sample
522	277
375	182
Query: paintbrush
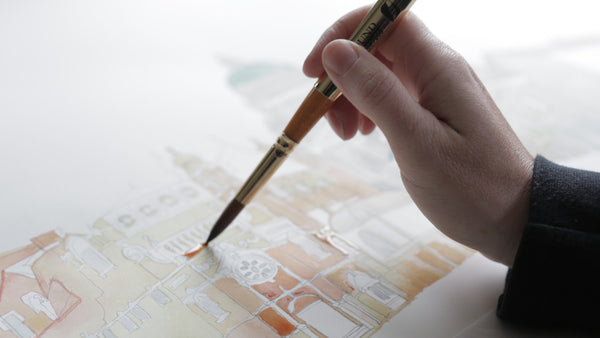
315	105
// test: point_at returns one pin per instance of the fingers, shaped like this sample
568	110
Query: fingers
431	73
341	29
344	119
365	125
375	91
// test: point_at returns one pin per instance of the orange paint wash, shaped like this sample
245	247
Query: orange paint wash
196	250
277	322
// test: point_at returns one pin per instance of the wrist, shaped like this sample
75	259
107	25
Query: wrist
517	215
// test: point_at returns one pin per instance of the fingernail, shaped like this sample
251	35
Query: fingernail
361	124
339	56
336	125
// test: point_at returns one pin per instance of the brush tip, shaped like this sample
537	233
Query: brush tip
195	250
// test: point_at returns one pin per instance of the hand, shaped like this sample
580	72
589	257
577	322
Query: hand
459	159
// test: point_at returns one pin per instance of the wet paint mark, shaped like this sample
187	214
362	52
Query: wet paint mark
194	251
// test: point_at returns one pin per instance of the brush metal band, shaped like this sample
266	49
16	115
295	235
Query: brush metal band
266	168
327	88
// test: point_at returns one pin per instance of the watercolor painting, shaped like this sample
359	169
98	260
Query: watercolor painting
272	273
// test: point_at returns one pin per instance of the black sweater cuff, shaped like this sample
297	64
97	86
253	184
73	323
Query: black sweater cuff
555	279
565	197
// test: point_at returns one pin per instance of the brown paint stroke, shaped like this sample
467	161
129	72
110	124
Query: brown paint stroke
277	322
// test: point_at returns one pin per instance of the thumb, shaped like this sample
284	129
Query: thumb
375	91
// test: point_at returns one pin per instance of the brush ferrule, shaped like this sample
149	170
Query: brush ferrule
327	88
266	168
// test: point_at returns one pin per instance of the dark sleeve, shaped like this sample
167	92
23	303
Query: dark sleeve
555	279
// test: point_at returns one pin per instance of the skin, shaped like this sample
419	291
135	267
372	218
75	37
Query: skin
459	159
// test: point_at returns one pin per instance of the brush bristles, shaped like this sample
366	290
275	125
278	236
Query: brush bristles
229	214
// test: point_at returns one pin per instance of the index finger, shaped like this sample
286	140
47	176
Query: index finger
341	29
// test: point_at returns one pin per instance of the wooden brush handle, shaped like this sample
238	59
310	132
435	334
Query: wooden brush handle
315	105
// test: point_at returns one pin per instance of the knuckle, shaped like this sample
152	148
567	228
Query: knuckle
330	34
452	56
449	69
455	63
335	30
376	87
338	30
344	26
